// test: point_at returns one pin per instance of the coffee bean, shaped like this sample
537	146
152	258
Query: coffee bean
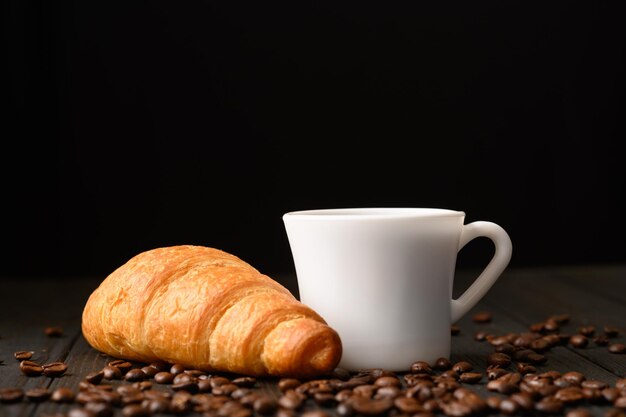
480	336
455	409
62	395
344	409
94	377
525	368
579	412
443	364
23	355
112	372
53	331
286	384
100	409
618	348
611	331
493	402
408	405
620	403
508	406
30	368
551	325
594	383
601	340
160	365
291	400
502	386
157	405
610	394
587	331
265	405
164	377
470	377
578	341
37	394
245	382
54	369
80	412
462	366
482	317
499	359
387	381
177	368
524	400
495	372
11	395
135	410
549	405
455	330
421	367
134	374
574	377
121	364
569	395
368	407
149	371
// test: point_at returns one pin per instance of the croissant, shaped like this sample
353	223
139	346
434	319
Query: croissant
207	309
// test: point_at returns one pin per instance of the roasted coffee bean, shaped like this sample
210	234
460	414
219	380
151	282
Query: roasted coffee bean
143	385
54	369
23	355
540	345
493	402
368	407
421	367
324	399
265	405
536	358
455	330
508	406
525	368
560	318
291	400
552	339
495	372
135	410
216	381
160	366
183	378
189	386
164	377
121	364
344	409
246	382
364	390
573	377
482	317
286	384
283	412
462	366
610	394
100	409
470	377
387	381
157	405
611	331
499	359
620	403
480	336
579	412
502	386
551	325
177	368
11	395
62	395
592	395
37	394
408	405
601	340
30	368
569	395
112	372
387	392
536	327
618	348
134	375
53	331
524	400
455	409
578	341
149	371
204	385
594	383
442	364
94	377
549	405
80	412
587	330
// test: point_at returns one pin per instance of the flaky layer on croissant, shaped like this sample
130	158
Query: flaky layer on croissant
207	309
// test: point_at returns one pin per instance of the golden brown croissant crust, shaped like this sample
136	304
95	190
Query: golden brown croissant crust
207	309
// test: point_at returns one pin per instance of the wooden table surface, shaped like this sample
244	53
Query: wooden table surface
591	295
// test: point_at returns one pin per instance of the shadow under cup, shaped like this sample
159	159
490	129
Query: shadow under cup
382	278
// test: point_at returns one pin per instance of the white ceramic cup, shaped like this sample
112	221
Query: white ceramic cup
382	278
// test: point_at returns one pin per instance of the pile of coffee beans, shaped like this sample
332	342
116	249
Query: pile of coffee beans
511	384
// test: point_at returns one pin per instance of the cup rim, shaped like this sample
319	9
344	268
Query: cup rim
373	212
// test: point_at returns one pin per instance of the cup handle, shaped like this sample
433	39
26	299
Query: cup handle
491	273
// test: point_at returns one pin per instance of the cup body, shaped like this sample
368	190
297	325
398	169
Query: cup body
381	277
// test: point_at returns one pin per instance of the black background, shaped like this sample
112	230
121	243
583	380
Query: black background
137	125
